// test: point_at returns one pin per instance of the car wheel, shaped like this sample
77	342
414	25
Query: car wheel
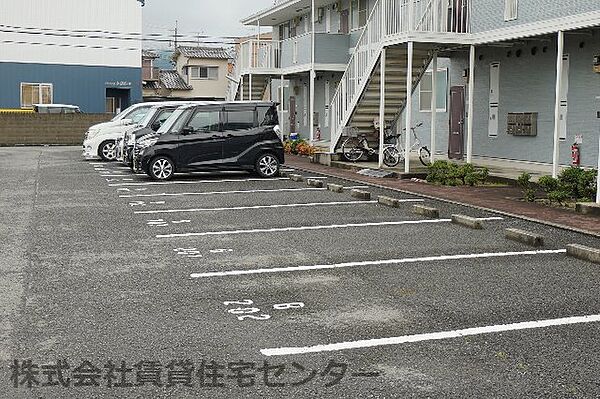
108	150
267	165
161	168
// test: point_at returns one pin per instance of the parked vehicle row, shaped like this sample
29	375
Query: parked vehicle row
165	138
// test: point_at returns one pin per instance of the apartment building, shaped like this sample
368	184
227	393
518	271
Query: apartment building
71	52
516	81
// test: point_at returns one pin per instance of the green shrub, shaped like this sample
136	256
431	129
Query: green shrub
548	183
558	196
450	174
524	181
529	195
572	183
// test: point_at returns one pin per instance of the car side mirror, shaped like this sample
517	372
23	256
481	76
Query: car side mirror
187	130
155	126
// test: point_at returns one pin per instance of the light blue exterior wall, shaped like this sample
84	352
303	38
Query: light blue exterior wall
303	107
527	84
84	86
442	117
489	14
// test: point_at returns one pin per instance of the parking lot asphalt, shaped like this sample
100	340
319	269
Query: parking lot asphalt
272	288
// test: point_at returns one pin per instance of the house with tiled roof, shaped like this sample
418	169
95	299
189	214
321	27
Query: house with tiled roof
204	69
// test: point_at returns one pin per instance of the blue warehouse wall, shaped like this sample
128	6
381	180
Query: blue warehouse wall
72	84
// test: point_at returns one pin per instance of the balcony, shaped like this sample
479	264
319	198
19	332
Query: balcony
150	73
258	56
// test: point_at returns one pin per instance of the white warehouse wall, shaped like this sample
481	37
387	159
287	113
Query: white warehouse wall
123	17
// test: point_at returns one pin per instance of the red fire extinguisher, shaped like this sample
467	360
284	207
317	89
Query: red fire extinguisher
575	155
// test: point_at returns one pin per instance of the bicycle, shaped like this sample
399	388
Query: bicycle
354	148
424	153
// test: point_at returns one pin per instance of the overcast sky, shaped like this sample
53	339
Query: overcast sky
205	17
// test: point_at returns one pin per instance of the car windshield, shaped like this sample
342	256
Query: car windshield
135	114
172	121
148	117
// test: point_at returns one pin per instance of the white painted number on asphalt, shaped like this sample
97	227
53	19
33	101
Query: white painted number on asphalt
195	253
137	203
189	252
220	251
157	223
248	312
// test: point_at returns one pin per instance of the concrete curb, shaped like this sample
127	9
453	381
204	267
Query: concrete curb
588	208
426	211
336	188
467	221
524	237
584	253
315	183
361	194
453	202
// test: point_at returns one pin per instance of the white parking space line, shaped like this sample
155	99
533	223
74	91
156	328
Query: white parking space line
278	190
377	263
243	208
368	343
163	183
301	228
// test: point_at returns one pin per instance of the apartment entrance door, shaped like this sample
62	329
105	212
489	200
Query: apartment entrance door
457	123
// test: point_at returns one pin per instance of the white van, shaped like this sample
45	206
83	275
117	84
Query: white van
100	139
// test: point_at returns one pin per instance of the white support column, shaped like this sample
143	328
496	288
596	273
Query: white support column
559	84
312	76
598	177
281	106
408	108
242	89
411	14
471	116
250	87
434	67
382	106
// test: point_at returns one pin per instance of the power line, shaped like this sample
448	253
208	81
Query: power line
79	32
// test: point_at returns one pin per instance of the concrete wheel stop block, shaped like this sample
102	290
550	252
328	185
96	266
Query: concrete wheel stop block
336	188
584	253
426	211
315	183
467	221
295	177
361	194
524	237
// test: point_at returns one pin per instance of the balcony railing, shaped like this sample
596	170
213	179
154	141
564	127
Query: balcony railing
259	54
150	73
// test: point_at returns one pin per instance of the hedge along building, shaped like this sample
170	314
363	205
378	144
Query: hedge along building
86	53
518	79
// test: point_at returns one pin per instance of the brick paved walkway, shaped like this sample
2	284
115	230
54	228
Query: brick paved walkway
501	199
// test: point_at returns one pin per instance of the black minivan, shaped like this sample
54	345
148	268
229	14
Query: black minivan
216	136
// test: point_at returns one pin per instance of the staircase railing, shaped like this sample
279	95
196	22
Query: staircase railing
387	19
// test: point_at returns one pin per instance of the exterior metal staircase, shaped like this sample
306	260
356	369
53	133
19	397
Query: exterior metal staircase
259	85
390	25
